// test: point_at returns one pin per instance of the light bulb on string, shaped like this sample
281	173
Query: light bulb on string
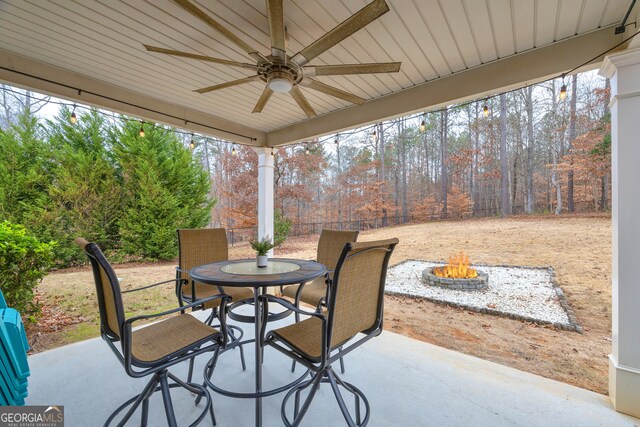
272	153
485	109
307	150
423	126
374	136
141	133
233	150
73	119
192	145
563	92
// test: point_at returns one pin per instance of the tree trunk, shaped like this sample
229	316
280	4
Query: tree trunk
529	202
556	183
572	136
339	185
604	180
474	166
505	207
383	177
444	117
403	164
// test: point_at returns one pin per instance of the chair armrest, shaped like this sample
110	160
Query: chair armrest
127	330
225	300
176	281
180	270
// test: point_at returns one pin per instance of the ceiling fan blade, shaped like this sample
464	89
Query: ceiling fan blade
264	98
338	70
302	101
330	90
227	84
357	21
275	13
200	14
199	57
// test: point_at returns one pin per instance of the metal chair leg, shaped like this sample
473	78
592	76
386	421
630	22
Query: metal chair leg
208	370
358	397
145	413
190	374
233	337
315	384
166	398
338	395
146	392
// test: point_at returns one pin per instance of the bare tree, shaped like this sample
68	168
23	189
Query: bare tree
15	102
505	207
383	176
444	119
529	194
572	135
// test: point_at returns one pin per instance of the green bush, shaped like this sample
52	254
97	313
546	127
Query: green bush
164	188
281	228
24	261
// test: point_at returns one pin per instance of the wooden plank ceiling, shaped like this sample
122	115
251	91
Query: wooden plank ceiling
102	39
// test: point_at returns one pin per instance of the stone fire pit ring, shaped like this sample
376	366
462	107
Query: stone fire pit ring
476	284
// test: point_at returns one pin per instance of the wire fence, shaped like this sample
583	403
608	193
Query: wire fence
237	235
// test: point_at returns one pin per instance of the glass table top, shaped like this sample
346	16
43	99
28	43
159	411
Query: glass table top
250	268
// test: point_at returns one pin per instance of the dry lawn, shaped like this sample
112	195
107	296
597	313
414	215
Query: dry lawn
578	248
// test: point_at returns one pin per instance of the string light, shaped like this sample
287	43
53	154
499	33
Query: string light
192	145
307	150
233	150
272	154
374	136
141	133
423	125
73	119
563	90
485	109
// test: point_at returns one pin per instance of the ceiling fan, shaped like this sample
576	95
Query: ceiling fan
284	73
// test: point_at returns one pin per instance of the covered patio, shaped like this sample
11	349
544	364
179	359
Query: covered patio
92	52
407	382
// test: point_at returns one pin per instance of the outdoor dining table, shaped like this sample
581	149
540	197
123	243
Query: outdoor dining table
246	273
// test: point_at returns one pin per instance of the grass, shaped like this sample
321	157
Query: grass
578	248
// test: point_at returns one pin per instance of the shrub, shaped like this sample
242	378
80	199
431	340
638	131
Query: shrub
281	228
24	261
164	188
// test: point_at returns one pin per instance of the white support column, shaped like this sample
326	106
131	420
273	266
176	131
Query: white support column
624	361
265	193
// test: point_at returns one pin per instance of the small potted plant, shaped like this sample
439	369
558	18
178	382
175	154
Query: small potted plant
262	247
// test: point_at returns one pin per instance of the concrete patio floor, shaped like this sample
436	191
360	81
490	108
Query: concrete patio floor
407	382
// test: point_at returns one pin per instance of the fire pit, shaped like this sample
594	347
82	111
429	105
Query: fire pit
456	275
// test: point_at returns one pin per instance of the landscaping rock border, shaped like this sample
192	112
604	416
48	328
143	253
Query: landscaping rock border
573	324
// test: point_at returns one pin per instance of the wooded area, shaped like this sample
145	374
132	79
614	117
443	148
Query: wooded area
525	151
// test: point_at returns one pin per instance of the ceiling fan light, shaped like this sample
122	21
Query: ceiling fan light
279	84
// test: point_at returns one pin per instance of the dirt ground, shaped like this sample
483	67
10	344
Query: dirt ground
578	248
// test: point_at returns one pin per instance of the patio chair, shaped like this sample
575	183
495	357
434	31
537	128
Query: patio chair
203	246
155	348
354	306
330	247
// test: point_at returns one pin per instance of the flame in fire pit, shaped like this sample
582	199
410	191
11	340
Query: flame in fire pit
458	268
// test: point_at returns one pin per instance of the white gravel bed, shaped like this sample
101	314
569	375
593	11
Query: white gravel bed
516	290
